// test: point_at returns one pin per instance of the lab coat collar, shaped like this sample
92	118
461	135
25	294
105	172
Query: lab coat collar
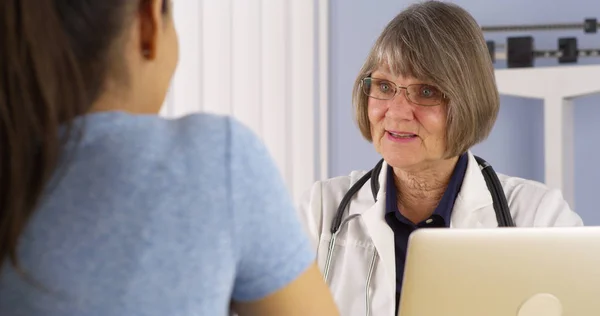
474	201
474	204
372	214
473	208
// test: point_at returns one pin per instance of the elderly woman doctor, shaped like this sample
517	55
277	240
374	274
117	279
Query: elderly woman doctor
424	96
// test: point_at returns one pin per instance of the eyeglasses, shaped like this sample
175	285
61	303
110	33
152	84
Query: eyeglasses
420	94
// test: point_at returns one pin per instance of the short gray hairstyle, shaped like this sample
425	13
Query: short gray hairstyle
442	44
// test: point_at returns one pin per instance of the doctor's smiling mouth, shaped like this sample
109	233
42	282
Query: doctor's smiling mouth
401	137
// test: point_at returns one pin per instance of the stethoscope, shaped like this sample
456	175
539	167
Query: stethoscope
491	179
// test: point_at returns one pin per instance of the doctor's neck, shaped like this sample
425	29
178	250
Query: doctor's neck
420	189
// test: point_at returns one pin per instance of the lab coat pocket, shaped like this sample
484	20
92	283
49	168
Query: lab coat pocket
350	269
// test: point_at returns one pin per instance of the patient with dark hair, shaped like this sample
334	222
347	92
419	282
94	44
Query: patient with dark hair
107	209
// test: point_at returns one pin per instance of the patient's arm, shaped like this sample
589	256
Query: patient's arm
307	295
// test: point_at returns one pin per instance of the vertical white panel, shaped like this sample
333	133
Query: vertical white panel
558	145
323	61
185	91
255	60
217	83
568	152
274	82
302	95
246	50
168	106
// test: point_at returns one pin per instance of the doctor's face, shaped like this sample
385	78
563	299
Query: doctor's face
407	135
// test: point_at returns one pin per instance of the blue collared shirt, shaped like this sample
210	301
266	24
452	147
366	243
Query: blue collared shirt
403	227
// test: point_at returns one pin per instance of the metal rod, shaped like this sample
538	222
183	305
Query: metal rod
502	55
535	27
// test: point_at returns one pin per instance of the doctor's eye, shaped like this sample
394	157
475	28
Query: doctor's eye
384	87
378	88
427	92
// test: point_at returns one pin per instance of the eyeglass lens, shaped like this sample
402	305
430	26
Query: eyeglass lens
421	94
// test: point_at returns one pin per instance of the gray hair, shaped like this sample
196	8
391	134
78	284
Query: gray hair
442	44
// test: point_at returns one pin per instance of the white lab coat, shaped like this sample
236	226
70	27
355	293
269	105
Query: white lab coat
365	247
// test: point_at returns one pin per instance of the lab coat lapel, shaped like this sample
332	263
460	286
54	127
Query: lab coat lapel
473	207
377	228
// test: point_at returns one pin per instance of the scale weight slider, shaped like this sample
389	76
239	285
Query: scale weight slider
590	26
519	51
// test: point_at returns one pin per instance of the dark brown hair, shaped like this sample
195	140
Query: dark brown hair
55	57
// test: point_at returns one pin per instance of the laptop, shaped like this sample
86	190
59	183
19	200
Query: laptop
502	272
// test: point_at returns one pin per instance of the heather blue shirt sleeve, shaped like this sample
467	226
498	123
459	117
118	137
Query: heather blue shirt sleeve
272	248
158	217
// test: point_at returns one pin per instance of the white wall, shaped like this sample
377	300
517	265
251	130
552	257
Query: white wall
259	61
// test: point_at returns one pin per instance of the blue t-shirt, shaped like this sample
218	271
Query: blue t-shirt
157	217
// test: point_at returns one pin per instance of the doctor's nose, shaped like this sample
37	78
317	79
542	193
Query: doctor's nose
400	106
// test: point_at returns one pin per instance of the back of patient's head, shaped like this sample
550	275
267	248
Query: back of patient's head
58	58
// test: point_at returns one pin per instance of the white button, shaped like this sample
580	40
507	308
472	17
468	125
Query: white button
429	221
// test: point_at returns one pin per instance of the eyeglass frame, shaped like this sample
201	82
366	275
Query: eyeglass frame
399	88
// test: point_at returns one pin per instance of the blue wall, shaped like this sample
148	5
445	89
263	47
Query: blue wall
515	146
